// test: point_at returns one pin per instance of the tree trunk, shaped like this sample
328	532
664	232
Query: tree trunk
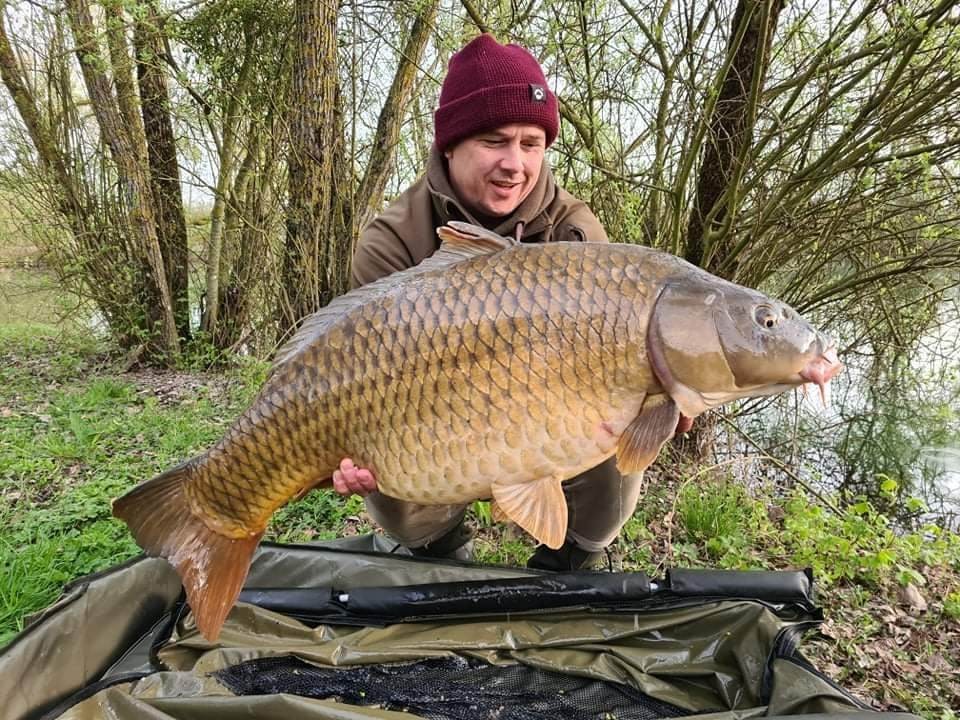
731	130
316	241
238	278
132	172
121	67
249	220
162	157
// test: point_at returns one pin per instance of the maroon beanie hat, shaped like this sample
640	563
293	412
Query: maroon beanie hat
489	85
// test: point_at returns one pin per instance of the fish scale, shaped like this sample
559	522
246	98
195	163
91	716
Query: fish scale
491	370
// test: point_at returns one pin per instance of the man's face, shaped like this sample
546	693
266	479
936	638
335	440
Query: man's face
494	171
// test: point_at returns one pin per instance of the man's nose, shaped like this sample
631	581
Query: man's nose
512	159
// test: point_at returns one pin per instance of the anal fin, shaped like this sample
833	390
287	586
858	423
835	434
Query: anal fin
539	507
641	441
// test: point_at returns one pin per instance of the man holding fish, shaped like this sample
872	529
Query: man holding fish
495	120
514	362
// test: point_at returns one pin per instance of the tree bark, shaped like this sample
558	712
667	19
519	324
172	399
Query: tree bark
225	173
317	245
248	221
132	173
162	159
731	130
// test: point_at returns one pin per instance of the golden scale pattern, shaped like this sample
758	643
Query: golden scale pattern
500	365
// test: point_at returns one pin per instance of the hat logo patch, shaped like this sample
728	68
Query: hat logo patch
538	93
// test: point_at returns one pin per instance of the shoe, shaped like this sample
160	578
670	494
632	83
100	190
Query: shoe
456	544
566	558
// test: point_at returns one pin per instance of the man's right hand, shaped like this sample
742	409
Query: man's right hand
348	479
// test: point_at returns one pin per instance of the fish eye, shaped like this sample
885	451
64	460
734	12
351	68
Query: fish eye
766	317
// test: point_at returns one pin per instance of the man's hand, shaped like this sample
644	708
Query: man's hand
351	480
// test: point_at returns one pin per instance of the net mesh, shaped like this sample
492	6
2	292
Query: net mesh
451	688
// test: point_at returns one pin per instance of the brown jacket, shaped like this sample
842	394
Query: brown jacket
405	233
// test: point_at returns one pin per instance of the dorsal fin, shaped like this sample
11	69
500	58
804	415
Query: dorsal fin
459	241
471	239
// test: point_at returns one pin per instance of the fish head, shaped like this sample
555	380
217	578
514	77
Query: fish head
710	341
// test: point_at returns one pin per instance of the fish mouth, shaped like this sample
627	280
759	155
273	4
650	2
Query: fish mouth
821	370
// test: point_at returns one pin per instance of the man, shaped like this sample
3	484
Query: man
494	122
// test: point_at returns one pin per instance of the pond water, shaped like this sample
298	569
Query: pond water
30	296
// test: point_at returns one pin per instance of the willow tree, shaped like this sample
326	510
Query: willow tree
731	117
326	199
115	108
233	63
149	42
107	200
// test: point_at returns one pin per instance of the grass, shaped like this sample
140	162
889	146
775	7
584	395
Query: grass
74	436
898	655
75	432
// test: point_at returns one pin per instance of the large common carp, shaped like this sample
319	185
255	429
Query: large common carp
491	370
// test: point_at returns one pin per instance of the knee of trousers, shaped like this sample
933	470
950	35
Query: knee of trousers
410	524
599	504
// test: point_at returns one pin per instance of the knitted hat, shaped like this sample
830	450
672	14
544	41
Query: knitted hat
489	85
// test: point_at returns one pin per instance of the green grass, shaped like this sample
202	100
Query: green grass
75	435
723	524
716	516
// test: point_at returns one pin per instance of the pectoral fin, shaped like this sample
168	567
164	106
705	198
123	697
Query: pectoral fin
539	507
646	434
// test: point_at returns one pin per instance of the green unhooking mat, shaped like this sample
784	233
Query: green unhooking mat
348	632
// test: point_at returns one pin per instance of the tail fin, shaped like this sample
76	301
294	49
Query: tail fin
212	566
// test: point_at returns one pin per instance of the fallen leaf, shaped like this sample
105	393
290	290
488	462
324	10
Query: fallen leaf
909	595
938	664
